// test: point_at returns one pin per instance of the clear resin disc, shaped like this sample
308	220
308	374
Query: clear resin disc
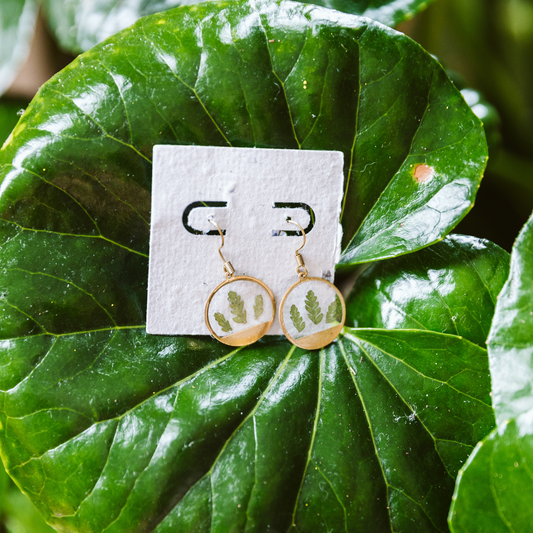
240	311
312	313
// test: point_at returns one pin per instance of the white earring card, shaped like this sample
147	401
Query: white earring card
249	192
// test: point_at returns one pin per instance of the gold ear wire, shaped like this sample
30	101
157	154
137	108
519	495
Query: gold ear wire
228	267
299	258
244	327
309	294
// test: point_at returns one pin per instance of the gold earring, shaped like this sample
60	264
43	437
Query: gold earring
307	326
227	316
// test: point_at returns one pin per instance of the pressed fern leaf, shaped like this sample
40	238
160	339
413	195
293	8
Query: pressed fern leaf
258	306
236	305
334	313
223	323
297	319
313	308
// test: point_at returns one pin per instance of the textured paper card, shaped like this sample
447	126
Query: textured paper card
250	192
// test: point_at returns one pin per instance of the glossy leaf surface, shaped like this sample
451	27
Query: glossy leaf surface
450	287
495	490
414	151
497	482
17	22
368	433
107	428
511	337
79	25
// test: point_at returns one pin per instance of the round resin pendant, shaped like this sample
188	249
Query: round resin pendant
240	311
312	313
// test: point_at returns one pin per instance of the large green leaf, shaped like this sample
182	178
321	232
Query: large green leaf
79	25
17	22
450	287
414	151
108	428
185	435
495	490
511	336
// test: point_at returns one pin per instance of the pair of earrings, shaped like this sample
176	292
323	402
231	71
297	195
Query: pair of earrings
312	311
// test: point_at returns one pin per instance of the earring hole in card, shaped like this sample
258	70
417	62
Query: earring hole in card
294	205
197	205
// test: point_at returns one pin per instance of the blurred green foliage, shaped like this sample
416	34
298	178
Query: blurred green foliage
10	111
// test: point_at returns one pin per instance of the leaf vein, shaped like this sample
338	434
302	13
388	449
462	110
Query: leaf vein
68	282
313	435
279	79
80	235
192	89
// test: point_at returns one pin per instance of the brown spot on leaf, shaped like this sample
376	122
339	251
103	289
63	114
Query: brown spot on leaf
423	173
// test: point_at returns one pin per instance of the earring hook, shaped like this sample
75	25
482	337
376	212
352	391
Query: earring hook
228	267
290	221
299	258
221	236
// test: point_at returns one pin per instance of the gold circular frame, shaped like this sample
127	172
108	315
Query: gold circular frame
322	338
239	338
